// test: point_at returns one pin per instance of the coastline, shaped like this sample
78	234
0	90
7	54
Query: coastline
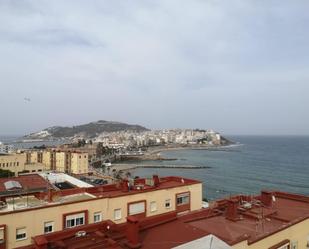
157	150
154	153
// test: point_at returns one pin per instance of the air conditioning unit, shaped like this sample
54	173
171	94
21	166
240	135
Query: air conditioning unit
80	234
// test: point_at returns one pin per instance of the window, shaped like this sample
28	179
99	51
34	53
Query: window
294	245
21	233
183	199
74	220
48	227
168	203
137	208
287	246
117	214
153	206
97	217
1	235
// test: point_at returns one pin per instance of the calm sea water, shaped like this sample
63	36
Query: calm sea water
14	140
275	163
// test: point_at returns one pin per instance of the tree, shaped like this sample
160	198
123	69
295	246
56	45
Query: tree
103	168
119	174
128	174
114	173
99	150
6	173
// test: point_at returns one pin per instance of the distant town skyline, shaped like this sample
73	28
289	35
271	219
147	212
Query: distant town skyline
238	67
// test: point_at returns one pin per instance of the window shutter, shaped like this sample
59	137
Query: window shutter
137	208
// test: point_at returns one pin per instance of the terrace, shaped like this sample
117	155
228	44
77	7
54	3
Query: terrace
39	190
228	222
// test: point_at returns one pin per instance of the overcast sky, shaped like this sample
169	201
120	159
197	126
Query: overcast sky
239	67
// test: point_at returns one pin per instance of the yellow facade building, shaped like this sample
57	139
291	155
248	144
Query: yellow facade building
18	163
46	211
170	216
74	162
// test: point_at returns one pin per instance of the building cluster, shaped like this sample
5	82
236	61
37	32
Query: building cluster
159	137
36	205
69	161
6	148
158	212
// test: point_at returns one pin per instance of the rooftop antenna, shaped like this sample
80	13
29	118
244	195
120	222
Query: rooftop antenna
262	220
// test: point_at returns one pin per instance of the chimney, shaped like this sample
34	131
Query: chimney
267	198
40	242
231	211
125	185
49	195
156	180
132	232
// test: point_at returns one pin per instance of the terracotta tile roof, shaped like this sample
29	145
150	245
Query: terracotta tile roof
28	182
284	212
253	223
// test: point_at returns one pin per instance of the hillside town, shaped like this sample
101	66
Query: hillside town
158	137
51	209
67	196
74	157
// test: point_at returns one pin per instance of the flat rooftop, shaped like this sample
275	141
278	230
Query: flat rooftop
29	182
251	223
39	190
240	218
140	185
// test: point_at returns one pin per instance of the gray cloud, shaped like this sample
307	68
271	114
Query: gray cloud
235	66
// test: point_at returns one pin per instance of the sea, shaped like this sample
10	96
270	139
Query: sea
254	163
16	141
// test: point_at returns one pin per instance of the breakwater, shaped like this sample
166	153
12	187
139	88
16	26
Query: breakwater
126	167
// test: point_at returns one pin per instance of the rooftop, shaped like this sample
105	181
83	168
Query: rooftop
43	190
229	221
29	182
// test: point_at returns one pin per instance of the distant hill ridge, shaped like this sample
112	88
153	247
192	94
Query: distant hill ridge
88	130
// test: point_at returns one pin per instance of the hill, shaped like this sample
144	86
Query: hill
89	130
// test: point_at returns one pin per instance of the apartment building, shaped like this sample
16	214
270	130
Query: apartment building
31	206
19	163
271	220
6	148
75	162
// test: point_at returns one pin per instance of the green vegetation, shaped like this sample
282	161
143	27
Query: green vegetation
92	129
104	150
6	173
